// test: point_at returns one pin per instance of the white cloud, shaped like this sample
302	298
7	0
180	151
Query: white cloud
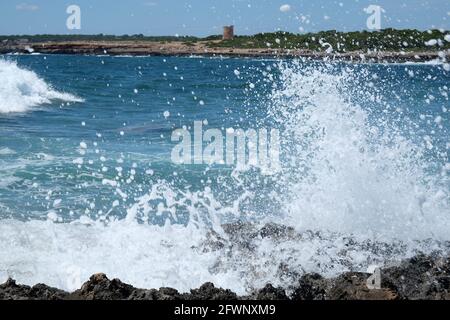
150	4
27	7
285	8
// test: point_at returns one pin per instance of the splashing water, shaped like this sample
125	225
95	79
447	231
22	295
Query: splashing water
351	170
360	185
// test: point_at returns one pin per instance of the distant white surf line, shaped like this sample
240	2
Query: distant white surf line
22	89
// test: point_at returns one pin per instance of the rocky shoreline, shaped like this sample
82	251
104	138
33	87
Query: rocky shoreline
420	278
202	48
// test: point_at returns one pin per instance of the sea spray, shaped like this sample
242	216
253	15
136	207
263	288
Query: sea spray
350	170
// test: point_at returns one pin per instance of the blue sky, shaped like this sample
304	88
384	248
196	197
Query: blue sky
205	17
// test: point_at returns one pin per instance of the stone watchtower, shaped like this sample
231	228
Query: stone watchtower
228	33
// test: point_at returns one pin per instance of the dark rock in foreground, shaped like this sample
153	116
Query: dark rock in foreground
12	291
422	277
207	48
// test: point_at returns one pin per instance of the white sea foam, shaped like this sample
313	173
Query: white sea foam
65	255
22	89
147	256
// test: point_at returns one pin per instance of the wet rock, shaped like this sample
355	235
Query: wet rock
353	286
144	295
162	294
99	287
421	277
311	287
209	292
269	292
246	232
12	291
43	292
276	231
168	294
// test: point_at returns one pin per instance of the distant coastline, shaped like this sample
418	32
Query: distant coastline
180	49
384	46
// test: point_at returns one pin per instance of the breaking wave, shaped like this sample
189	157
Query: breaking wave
21	89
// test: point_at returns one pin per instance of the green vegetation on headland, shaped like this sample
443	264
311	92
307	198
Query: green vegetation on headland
383	40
